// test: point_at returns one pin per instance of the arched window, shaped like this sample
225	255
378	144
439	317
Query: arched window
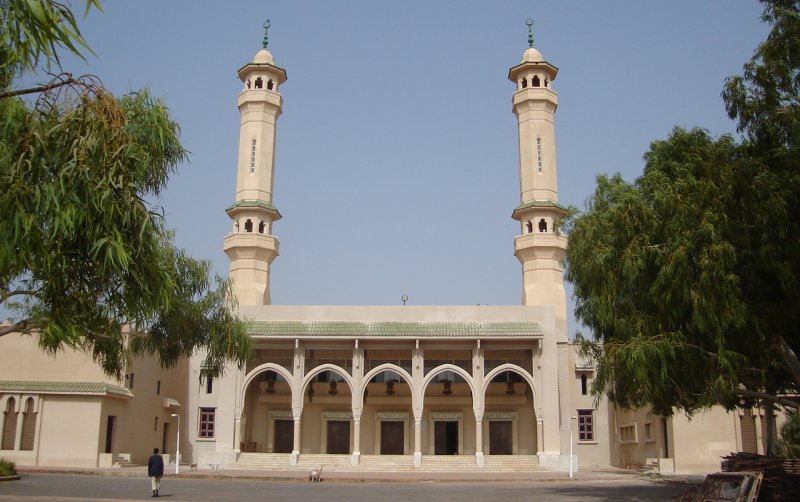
529	227
546	83
584	384
248	225
524	83
542	225
248	83
28	426
259	83
535	81
9	425
270	84
261	227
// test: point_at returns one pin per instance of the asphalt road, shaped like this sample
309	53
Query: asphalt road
58	487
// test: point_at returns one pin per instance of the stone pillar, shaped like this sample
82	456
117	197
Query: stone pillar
296	446
539	435
479	439
356	440
237	431
417	441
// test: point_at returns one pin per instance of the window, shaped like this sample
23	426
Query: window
585	425
648	432
584	384
131	381
539	153
155	423
259	83
536	82
627	433
248	225
524	83
209	384
253	156
206	429
28	426
158	387
270	84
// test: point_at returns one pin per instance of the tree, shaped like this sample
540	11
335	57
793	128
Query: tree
86	260
688	277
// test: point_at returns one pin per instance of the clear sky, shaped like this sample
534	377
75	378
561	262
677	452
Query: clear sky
397	160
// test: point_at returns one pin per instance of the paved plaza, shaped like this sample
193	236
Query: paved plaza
42	486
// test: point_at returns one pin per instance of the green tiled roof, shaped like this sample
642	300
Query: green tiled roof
253	203
537	203
338	329
49	387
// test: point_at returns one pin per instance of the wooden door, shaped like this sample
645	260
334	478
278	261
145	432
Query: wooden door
338	436
500	438
392	438
284	436
445	438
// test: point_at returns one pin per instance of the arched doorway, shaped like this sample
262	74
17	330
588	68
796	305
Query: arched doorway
268	426
509	419
387	411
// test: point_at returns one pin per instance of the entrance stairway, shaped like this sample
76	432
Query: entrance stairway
388	463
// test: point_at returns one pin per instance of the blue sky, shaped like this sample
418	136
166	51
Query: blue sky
397	162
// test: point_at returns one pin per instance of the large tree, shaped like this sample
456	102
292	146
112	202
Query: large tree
688	277
86	260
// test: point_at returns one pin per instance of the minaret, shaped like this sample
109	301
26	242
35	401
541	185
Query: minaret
251	246
538	248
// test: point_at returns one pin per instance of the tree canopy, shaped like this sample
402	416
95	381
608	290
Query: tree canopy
689	276
86	259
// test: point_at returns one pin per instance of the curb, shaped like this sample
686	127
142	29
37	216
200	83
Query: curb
15	477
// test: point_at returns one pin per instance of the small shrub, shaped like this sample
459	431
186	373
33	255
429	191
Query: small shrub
789	443
7	468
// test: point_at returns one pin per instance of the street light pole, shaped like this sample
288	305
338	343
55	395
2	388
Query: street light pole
570	445
178	447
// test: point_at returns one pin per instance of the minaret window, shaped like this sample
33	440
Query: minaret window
270	84
253	156
542	225
546	83
248	225
524	83
261	227
539	153
535	81
248	83
529	227
259	83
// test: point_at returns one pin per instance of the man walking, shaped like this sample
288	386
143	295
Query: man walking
155	469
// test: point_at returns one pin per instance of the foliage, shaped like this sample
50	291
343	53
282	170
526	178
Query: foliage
688	277
789	442
86	260
7	468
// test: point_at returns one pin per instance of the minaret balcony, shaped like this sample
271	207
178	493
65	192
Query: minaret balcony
548	245
248	245
251	96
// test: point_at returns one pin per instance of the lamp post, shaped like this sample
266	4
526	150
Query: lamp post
178	447
570	445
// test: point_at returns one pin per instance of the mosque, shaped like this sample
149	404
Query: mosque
412	387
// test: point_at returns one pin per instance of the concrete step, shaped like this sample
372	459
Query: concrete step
388	463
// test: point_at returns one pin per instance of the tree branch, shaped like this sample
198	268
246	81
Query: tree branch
39	89
790	358
17	327
18	292
767	397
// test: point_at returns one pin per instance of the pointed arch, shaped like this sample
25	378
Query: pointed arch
514	369
277	368
386	367
448	367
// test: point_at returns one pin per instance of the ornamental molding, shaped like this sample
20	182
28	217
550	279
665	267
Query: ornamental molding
336	415
391	415
281	414
446	415
501	415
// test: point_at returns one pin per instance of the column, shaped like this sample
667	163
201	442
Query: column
417	440
356	440
237	431
539	435
296	446
479	438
